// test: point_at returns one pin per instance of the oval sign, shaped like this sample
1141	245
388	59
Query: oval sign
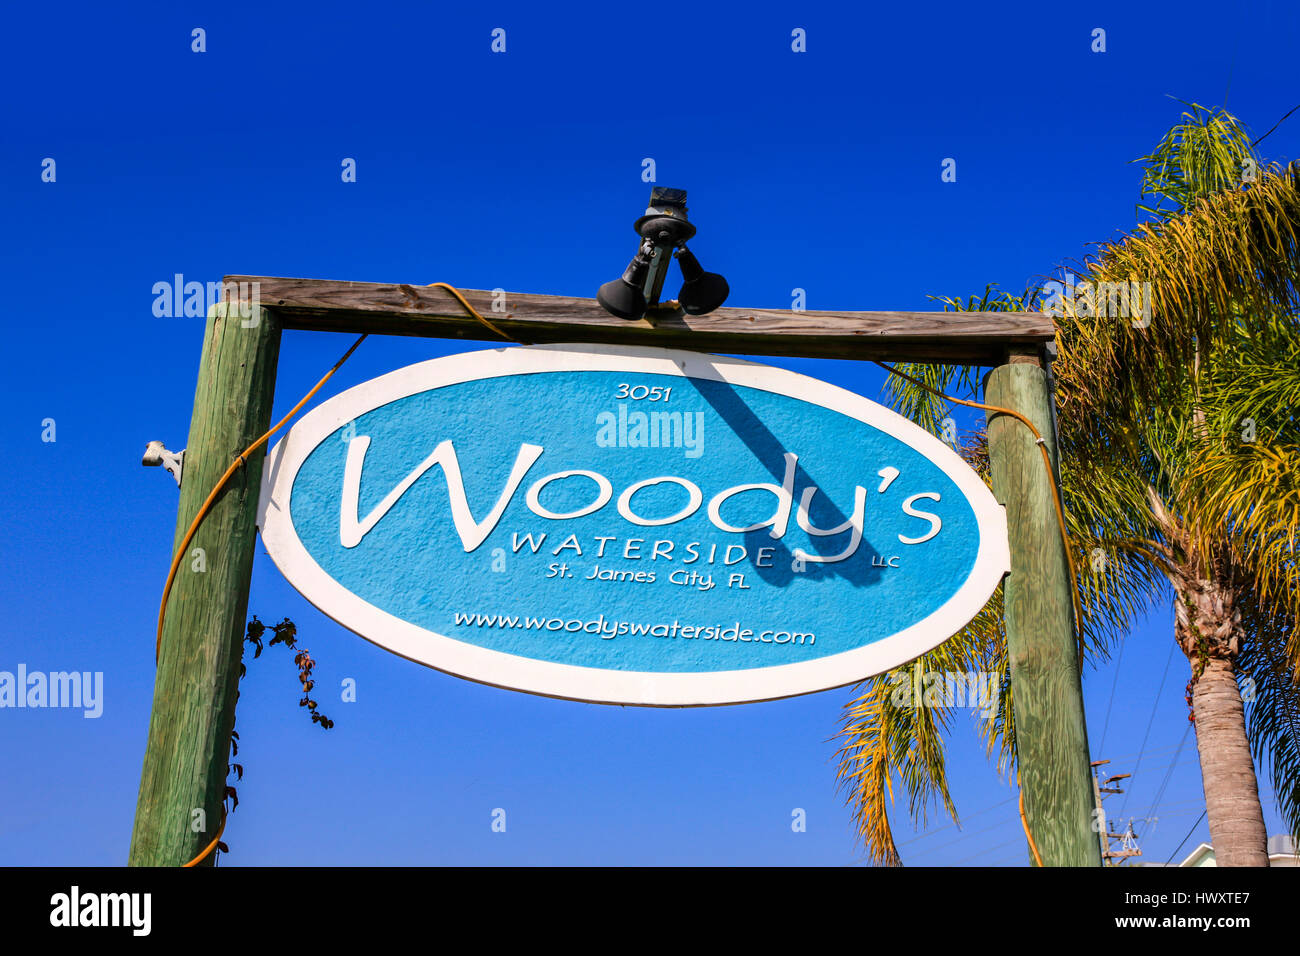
630	525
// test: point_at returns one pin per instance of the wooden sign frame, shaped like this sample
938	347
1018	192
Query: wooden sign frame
187	756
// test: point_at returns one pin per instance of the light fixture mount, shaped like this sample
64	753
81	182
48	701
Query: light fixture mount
664	230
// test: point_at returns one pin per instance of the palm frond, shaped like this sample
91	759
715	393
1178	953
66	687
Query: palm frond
1235	253
1211	151
892	733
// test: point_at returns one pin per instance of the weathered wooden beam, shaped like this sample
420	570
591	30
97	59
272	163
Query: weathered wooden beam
964	338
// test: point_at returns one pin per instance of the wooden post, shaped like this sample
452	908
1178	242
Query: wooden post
1052	741
185	763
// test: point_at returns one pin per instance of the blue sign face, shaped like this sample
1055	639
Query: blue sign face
632	526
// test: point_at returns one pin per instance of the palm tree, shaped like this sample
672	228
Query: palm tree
1161	495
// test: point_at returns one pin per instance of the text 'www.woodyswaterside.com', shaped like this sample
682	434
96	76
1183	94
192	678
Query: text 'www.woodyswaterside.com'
608	630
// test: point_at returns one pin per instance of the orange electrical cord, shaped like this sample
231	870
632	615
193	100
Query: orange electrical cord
211	846
472	311
1051	480
221	483
1024	822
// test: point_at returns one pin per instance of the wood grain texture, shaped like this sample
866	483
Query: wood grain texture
965	338
1051	737
203	633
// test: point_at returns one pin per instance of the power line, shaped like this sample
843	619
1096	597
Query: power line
941	829
1182	809
993	826
1155	705
946	826
1153	753
1186	838
1170	772
986	851
1118	661
1276	125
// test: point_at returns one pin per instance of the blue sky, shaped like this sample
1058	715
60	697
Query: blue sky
818	170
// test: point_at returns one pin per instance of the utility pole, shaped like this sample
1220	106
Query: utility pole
1127	844
1099	821
1128	839
1052	740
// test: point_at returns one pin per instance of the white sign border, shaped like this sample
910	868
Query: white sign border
599	685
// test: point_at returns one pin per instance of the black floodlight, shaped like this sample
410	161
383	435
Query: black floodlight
702	291
664	230
624	296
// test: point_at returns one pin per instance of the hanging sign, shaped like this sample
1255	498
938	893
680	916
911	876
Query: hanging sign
630	525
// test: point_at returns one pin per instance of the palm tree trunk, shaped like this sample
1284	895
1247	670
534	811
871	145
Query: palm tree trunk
1207	626
1227	771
